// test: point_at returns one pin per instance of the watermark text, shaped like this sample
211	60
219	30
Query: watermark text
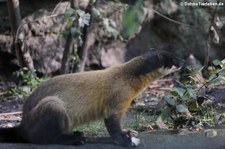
202	4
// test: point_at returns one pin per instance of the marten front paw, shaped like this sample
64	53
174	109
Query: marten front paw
128	138
132	134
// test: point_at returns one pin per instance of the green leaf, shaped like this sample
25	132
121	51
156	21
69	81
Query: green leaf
194	107
69	12
84	19
221	72
108	28
95	12
70	23
223	78
174	93
75	32
170	100
93	1
80	12
180	83
132	19
193	79
217	63
192	93
178	91
182	108
65	33
164	115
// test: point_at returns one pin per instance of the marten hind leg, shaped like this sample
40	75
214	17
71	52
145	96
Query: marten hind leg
48	123
119	136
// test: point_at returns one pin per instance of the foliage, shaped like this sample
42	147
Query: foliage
19	92
72	15
95	128
132	19
139	122
29	81
217	71
185	102
110	28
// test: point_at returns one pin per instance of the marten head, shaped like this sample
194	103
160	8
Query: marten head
158	61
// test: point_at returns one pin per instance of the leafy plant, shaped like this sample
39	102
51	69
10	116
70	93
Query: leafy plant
29	81
72	15
132	19
19	92
184	102
217	72
109	28
93	129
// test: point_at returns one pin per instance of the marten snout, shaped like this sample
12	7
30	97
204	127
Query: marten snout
159	60
169	60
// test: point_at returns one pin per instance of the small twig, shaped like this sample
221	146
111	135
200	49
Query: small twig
10	119
10	113
3	93
164	80
167	18
172	20
215	77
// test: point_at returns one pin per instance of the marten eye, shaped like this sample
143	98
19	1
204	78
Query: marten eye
178	62
166	61
175	62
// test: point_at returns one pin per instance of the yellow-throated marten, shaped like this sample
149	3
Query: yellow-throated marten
64	102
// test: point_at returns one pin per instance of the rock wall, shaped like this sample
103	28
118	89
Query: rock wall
167	25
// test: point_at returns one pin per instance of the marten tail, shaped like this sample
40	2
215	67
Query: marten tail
11	135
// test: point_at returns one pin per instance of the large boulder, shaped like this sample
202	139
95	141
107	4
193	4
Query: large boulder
168	25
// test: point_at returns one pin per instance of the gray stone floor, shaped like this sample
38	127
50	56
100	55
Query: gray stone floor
206	139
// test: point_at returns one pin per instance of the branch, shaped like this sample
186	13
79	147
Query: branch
68	45
206	62
88	40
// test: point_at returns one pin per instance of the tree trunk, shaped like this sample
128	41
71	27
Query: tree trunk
66	54
82	50
15	21
68	46
24	58
88	40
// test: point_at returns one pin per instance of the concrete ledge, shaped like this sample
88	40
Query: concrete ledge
210	139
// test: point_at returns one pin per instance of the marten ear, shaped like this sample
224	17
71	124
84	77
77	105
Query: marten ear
160	58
